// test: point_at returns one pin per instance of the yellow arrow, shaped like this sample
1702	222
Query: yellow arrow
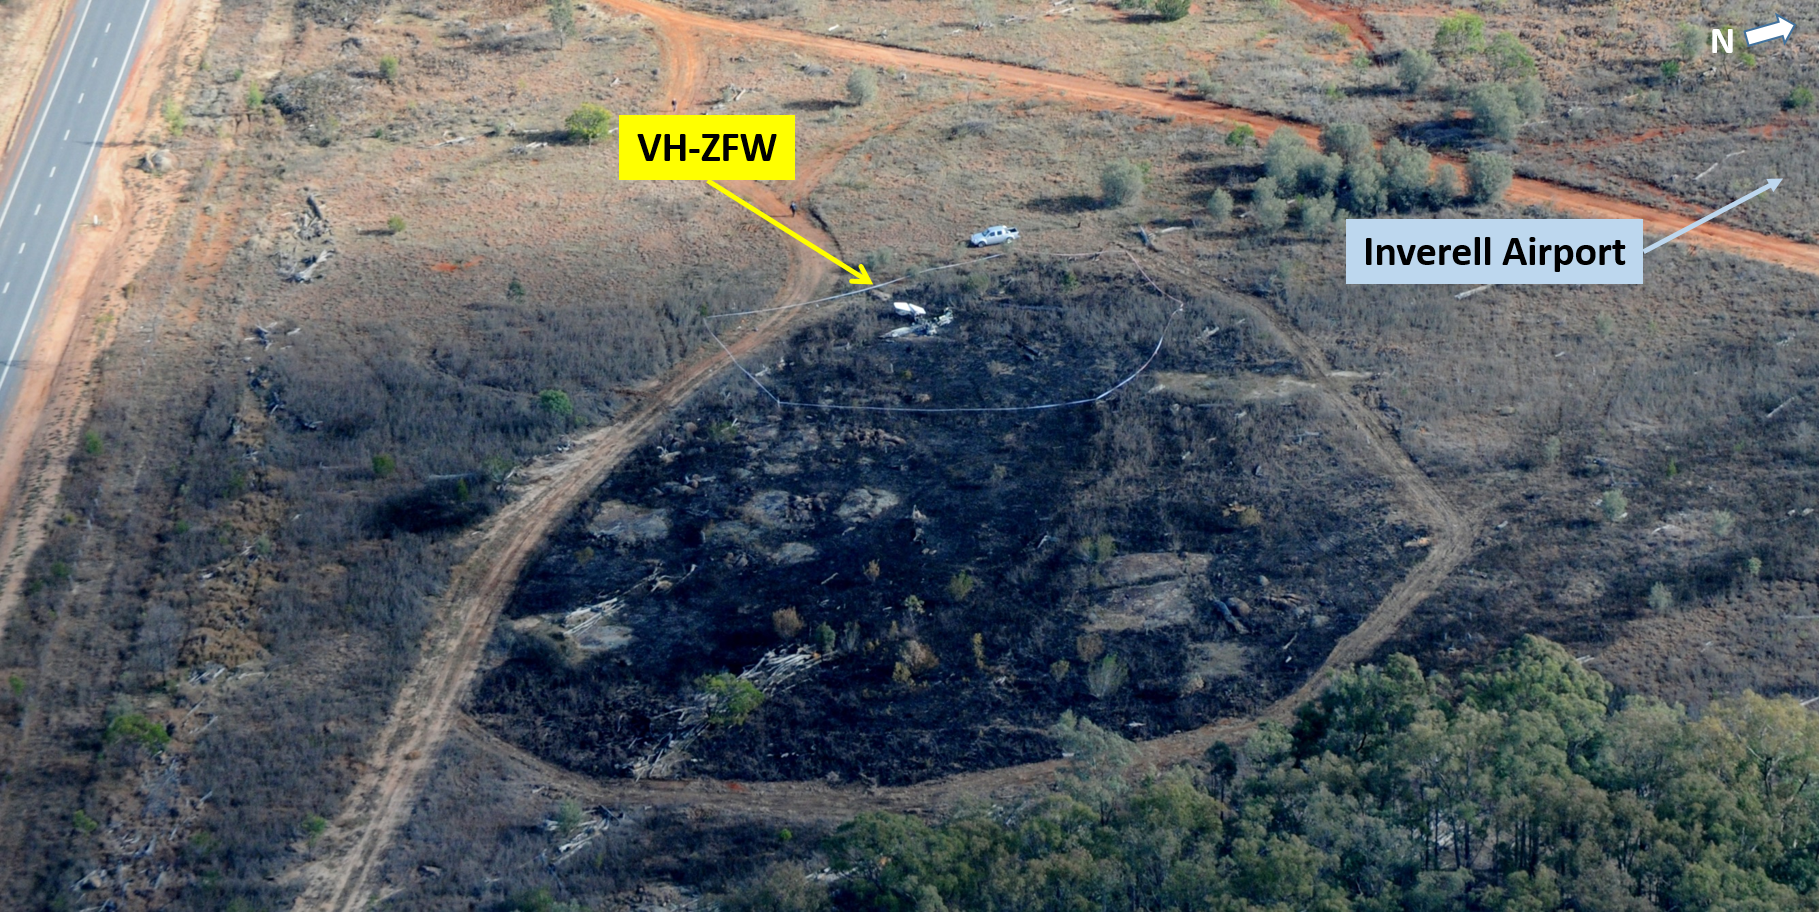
860	276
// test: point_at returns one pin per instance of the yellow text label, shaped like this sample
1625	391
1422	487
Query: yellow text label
707	147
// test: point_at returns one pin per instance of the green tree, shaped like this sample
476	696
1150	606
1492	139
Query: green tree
384	464
1408	171
1495	113
1268	212
388	68
1415	69
1347	140
731	699
569	817
588	123
1799	99
1531	96
1614	506
1508	58
136	729
1121	183
1171	10
1444	188
1219	206
1459	34
395	224
556	402
1490	174
1241	135
862	86
1317	215
1366	187
1283	157
562	17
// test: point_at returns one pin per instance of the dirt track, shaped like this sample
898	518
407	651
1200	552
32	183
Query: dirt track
351	853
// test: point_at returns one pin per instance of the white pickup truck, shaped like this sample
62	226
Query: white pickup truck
997	234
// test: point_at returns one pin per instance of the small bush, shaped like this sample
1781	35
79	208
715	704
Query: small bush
825	637
1459	34
1723	522
1509	59
388	68
384	464
1219	206
314	826
84	822
1268	211
1106	676
1444	188
1550	450
787	623
1614	506
1283	157
862	86
1531	96
1317	215
1098	549
1241	135
174	117
1670	70
556	402
1490	174
255	98
960	585
395	224
1495	113
1347	140
568	817
1799	99
732	699
1171	10
1121	183
1415	69
134	728
1366	187
562	17
1660	597
588	123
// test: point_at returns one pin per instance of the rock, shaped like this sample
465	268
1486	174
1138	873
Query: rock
862	504
767	508
728	533
158	161
627	524
1163	604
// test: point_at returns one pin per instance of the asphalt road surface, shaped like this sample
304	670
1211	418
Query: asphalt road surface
41	208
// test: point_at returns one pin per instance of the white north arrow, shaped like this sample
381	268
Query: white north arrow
1780	28
1773	182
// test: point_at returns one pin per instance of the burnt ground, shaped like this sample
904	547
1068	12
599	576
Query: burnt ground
1088	532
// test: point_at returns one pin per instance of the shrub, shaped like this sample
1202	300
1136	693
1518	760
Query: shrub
314	826
1106	676
1347	140
1799	99
1459	34
1660	597
1171	10
134	728
556	402
825	637
1614	506
1219	206
1317	214
731	699
568	817
917	657
862	86
1494	112
514	288
1366	192
395	224
1688	40
1550	450
1723	522
588	123
1121	183
84	822
1531	96
1268	210
1283	156
388	68
960	585
1415	69
1490	174
787	623
384	464
91	443
1241	135
1670	70
173	116
562	17
1444	188
1509	59
782	887
1059	668
1407	169
255	98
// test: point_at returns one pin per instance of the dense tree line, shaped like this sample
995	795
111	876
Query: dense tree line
1519	787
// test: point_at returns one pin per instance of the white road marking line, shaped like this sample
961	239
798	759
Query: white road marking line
66	136
31	307
32	146
91	63
21	246
9	287
80	96
36	208
53	172
110	27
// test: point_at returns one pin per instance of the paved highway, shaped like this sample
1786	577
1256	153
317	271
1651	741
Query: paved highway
47	185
